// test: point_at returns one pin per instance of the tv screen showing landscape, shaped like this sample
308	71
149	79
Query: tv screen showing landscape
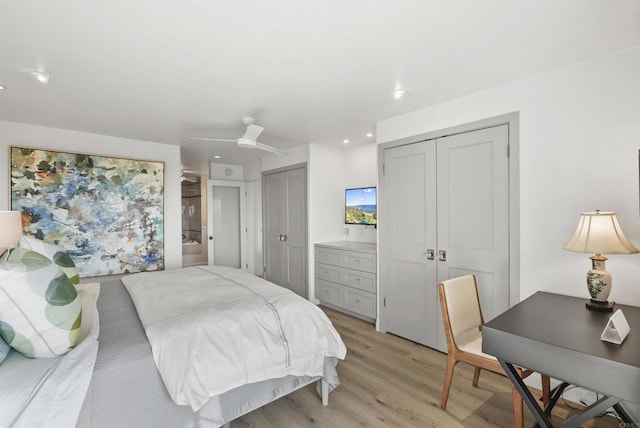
361	206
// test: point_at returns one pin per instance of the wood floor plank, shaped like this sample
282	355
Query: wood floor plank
387	381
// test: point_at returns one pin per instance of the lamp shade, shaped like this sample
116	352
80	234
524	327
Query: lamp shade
10	228
599	232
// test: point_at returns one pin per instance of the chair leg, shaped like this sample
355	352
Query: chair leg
448	376
476	376
518	408
546	389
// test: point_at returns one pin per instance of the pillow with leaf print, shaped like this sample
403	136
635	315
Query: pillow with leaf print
40	310
55	253
4	350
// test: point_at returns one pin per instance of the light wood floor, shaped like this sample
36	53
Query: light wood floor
387	381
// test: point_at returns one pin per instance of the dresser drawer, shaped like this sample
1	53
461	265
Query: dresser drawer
360	261
328	256
328	292
364	281
328	272
360	302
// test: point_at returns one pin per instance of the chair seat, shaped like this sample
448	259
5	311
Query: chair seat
472	343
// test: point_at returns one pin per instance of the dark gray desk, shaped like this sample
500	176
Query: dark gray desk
556	335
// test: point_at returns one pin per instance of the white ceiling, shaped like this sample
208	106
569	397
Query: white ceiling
308	71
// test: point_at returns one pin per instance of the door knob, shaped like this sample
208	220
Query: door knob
210	238
442	256
429	254
284	237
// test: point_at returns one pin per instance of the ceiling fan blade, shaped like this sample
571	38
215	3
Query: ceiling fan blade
271	149
253	131
211	139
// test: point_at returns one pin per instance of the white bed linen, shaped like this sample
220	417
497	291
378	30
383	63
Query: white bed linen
48	392
215	328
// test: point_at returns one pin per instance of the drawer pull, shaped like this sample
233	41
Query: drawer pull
358	261
358	301
358	278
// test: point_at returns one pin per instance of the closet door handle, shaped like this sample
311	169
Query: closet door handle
442	256
429	254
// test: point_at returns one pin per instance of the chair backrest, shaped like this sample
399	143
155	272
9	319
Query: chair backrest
460	304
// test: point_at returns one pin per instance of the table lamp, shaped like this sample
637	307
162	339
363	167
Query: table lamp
10	229
599	232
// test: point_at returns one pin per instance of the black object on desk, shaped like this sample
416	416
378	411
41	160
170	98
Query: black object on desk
554	334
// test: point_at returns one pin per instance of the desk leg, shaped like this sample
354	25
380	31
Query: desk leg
542	419
592	411
556	394
623	414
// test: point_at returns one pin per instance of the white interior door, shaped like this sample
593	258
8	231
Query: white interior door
226	223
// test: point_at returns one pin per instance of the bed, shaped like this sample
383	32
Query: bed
111	378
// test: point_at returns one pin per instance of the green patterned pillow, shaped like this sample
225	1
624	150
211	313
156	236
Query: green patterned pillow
4	349
40	310
55	254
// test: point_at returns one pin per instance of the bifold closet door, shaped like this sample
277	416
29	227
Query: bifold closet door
447	197
410	300
473	215
285	229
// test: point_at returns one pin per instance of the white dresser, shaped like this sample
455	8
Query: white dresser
345	277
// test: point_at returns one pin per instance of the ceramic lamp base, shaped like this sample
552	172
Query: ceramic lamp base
598	306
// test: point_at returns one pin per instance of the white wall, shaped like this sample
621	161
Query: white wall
254	225
221	171
29	136
579	141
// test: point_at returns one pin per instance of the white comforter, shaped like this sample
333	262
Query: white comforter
215	328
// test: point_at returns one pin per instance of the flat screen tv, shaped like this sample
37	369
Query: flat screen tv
361	206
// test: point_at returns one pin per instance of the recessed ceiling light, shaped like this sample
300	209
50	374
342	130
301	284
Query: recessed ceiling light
346	141
369	135
399	93
217	157
40	77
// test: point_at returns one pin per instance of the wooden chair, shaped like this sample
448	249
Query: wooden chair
463	321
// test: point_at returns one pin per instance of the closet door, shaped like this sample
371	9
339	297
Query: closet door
273	202
285	229
449	195
473	215
410	301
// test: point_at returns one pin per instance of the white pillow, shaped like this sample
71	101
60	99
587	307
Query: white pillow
40	311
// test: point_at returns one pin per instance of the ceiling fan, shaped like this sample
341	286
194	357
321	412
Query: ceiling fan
248	140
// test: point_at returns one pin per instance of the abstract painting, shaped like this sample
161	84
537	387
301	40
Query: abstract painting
107	213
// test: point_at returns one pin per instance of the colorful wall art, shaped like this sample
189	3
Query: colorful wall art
107	213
